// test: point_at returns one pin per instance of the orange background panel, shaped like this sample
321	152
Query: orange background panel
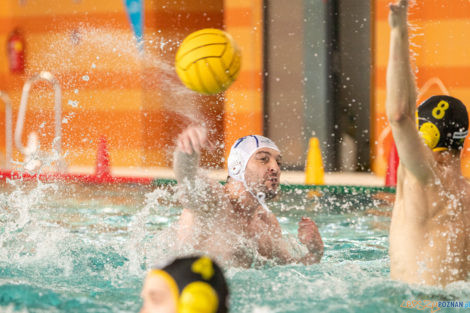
445	47
121	128
87	157
452	77
109	88
179	20
83	50
3	59
65	22
431	10
240	17
382	38
2	128
60	7
249	43
86	80
248	80
184	22
444	42
244	102
241	124
186	5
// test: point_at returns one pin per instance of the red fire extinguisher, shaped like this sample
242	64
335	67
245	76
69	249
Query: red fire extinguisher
15	51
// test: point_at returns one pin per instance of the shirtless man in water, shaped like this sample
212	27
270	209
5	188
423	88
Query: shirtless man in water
430	228
232	222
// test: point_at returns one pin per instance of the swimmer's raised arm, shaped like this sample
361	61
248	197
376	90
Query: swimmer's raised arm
199	193
401	88
401	98
187	153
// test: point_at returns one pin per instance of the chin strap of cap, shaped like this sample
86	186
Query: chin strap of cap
260	196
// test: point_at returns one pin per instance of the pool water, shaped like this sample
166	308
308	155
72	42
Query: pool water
84	248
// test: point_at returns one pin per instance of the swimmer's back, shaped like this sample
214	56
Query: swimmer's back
467	226
427	220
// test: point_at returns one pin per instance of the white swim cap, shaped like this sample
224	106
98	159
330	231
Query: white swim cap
241	152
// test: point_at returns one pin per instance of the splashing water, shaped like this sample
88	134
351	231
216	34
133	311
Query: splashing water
71	247
89	57
107	50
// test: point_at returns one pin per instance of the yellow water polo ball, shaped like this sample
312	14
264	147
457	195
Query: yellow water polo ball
208	61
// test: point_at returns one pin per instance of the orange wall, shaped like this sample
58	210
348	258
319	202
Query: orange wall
168	106
100	92
137	103
439	40
244	100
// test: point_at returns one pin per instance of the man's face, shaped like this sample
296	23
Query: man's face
157	296
263	172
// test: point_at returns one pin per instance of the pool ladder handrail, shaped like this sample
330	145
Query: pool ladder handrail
46	76
8	128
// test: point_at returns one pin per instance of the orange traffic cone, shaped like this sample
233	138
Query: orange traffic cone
103	168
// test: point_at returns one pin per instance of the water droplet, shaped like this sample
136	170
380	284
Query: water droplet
73	103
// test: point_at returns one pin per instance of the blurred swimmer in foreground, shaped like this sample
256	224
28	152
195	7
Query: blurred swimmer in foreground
186	285
430	228
233	222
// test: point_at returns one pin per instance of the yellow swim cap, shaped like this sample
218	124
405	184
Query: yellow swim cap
198	297
198	284
443	122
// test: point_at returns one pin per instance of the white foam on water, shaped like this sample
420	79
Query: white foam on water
263	310
140	250
27	238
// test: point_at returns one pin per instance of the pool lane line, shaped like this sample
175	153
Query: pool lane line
337	189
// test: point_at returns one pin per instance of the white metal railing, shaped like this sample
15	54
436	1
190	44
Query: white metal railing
46	76
8	128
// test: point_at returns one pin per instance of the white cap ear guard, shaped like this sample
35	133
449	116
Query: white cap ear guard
241	152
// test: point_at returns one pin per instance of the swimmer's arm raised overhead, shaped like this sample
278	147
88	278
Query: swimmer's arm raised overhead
185	165
187	152
401	98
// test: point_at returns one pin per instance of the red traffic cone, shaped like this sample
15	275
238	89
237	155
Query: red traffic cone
103	168
393	161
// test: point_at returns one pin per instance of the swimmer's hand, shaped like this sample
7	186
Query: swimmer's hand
194	139
397	17
310	236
